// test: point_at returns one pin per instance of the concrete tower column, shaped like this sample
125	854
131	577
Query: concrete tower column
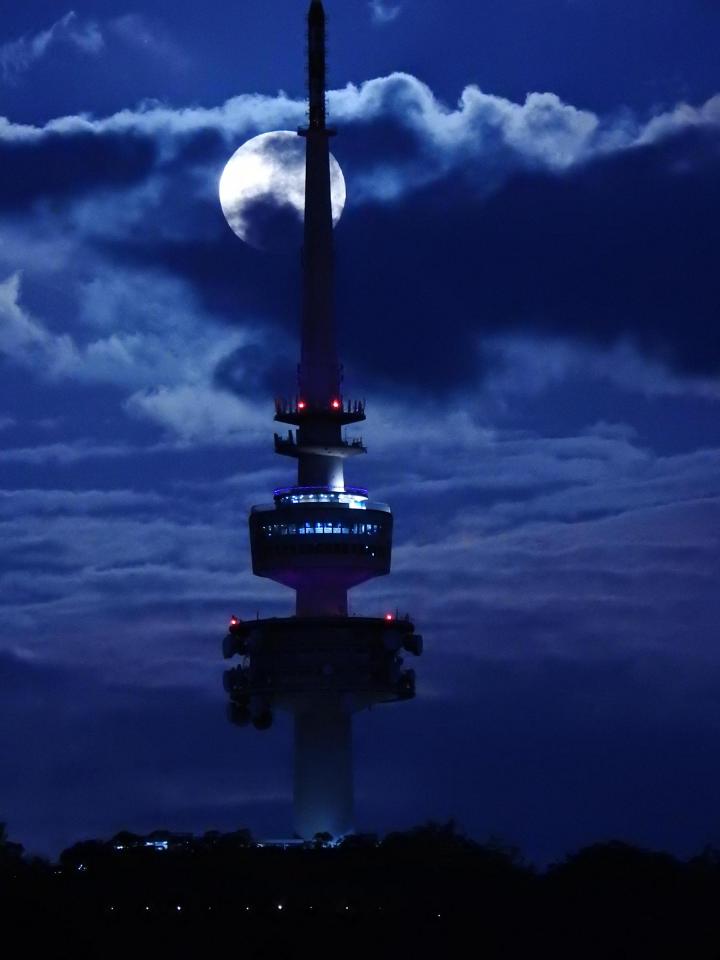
323	786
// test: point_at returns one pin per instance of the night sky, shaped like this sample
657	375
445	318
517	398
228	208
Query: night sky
528	297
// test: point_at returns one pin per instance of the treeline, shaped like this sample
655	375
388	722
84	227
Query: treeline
431	890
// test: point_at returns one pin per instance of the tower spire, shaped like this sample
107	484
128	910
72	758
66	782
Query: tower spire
319	372
316	64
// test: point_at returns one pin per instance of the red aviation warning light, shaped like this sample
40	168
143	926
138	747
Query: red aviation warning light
389	616
234	624
335	404
301	404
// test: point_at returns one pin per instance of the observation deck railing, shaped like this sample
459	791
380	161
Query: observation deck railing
338	410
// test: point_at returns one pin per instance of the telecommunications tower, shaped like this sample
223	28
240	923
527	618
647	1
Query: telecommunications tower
320	538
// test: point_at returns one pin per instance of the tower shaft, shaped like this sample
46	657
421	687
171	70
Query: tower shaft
323	780
323	784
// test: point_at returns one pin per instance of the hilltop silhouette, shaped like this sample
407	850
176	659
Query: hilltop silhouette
430	891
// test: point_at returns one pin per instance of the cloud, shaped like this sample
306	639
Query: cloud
168	367
56	166
163	339
17	503
18	56
64	452
383	12
23	338
90	37
199	414
598	253
137	31
523	365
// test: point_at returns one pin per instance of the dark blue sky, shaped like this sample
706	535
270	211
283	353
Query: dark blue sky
528	297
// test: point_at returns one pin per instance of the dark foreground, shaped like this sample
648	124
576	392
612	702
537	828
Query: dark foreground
428	892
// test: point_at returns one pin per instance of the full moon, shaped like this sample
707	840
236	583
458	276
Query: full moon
262	189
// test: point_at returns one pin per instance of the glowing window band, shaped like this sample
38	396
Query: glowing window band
353	497
334	527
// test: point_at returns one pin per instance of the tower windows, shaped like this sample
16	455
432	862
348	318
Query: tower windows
290	547
321	528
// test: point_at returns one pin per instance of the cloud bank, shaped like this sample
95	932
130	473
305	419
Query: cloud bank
518	180
543	131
